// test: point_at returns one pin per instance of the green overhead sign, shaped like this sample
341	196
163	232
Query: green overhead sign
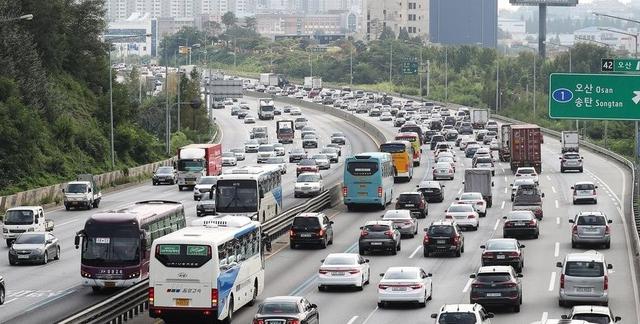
410	68
620	65
594	96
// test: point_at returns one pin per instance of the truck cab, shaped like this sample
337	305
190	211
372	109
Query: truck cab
22	219
84	192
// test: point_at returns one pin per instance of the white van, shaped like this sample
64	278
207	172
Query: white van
584	279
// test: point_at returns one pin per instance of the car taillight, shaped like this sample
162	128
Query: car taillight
422	204
448	216
293	321
607	229
258	321
389	234
574	229
481	203
379	191
594	192
151	296
425	240
518	175
455	239
487	255
511	285
605	285
508	224
321	232
472	216
477	285
513	254
416	286
214	297
562	281
292	233
532	222
344	191
381	286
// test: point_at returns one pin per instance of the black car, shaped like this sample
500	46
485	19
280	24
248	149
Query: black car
428	134
164	174
503	251
296	155
470	151
520	223
465	128
379	236
311	228
2	290
338	138
435	125
431	190
415	202
435	139
287	309
443	237
499	286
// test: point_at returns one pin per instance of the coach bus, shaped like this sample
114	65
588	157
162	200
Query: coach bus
414	138
115	245
368	180
254	191
402	157
207	271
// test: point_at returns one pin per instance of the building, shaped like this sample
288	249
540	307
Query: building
464	22
301	24
135	25
412	15
616	41
123	9
514	29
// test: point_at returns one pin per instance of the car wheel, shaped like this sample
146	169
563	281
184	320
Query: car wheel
380	304
321	288
12	262
155	183
581	170
323	243
2	295
394	251
292	245
574	245
561	170
607	245
516	308
458	253
57	254
331	240
45	260
361	286
425	253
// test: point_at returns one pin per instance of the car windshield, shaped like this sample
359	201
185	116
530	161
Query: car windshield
404	274
337	135
443	165
457	318
440	230
307	162
18	217
275	160
526	171
520	216
572	156
395	214
593	318
237	150
319	157
266	148
483	159
409	198
591	220
501	245
252	142
275	308
340	260
297	151
493	277
306	222
208	180
377	228
76	188
308	178
584	269
327	151
584	186
30	239
471	196
228	154
165	170
460	209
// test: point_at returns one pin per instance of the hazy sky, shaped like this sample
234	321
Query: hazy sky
504	4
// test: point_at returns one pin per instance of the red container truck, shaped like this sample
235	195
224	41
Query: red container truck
285	131
197	160
525	143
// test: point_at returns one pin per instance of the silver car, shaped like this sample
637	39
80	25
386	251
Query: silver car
570	161
204	186
278	161
251	146
591	227
584	279
322	160
229	159
239	153
266	151
407	225
37	247
331	153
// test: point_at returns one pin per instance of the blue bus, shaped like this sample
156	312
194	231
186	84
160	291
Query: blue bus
368	180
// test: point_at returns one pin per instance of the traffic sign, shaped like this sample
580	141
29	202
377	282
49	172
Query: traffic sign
594	96
410	68
620	65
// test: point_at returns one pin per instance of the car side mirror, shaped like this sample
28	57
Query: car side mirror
361	227
322	261
596	187
617	319
504	217
90	189
331	222
558	264
572	188
63	190
429	274
366	260
417	186
560	158
522	246
519	275
314	306
434	315
49	241
609	266
472	276
457	198
542	195
609	221
382	275
511	185
483	246
564	316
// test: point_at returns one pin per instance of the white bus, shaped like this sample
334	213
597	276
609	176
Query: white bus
206	271
254	191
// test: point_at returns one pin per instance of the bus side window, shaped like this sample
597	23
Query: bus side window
222	256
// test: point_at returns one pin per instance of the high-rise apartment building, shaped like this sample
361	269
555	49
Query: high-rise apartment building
458	22
412	15
123	9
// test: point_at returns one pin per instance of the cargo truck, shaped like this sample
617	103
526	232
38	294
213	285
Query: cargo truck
273	79
266	108
84	192
197	160
570	141
504	151
285	131
312	83
18	220
525	147
479	117
479	180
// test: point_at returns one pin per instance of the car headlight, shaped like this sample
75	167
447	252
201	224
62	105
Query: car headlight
39	251
4	230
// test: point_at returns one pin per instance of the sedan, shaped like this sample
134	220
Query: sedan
34	247
239	153
279	161
249	120
336	147
343	269
464	215
203	186
287	309
385	116
331	153
295	111
404	285
402	219
251	146
338	138
505	251
310	141
497	286
308	184
528	172
433	191
322	160
164	174
443	170
307	165
297	154
279	147
475	199
206	205
471	150
229	159
520	223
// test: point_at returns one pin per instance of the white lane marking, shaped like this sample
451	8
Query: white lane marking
459	191
467	286
352	320
544	317
502	206
65	223
552	282
553	189
557	205
495	227
558	220
414	252
556	250
505	190
549	178
6	302
370	315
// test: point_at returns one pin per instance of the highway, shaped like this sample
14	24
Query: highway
45	293
293	272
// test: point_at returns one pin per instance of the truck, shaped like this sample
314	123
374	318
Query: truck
285	131
479	117
525	147
570	141
273	79
504	151
312	83
266	108
18	220
479	180
528	197
83	192
197	160
260	134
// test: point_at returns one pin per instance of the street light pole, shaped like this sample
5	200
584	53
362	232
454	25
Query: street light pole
391	64
420	72
446	73
497	82
351	66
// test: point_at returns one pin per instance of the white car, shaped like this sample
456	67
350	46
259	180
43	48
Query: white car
331	153
239	153
308	184
203	187
464	215
251	146
591	313
485	163
443	170
466	140
404	285
385	116
279	147
463	313
527	172
266	151
494	146
584	191
407	224
279	161
343	269
322	160
475	199
229	159
295	111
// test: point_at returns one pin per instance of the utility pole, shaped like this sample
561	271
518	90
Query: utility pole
351	66
234	54
420	72
391	63
446	73
428	76
497	82
534	85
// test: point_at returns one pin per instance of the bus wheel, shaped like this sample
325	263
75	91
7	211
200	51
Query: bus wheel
229	318
255	294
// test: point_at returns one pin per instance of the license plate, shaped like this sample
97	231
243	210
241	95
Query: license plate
520	224
23	256
109	284
494	294
584	289
441	241
337	273
588	230
362	194
500	257
398	289
305	235
376	243
182	302
409	205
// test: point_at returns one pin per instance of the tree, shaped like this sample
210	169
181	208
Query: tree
403	34
250	23
387	33
229	19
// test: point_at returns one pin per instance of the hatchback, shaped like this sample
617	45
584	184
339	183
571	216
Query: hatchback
462	314
584	191
311	228
527	172
571	161
592	314
591	227
404	285
584	279
443	237
497	285
433	191
379	236
343	269
286	309
402	219
415	202
476	200
505	251
443	170
39	247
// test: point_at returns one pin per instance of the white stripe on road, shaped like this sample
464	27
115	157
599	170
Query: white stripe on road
467	286
414	252
352	320
553	189
557	205
6	302
505	190
370	315
556	250
549	178
505	178
558	220
65	223
496	226
552	282
502	207
545	315
459	191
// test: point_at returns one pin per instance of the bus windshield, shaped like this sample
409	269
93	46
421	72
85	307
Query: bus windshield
237	196
393	148
190	165
182	255
111	244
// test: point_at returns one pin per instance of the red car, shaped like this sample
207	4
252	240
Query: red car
307	165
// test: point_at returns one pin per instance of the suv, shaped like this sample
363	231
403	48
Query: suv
311	228
584	279
463	313
443	237
415	202
591	227
435	139
164	174
433	191
571	161
379	235
497	285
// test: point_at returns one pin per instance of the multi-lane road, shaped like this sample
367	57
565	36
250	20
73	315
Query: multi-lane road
45	293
